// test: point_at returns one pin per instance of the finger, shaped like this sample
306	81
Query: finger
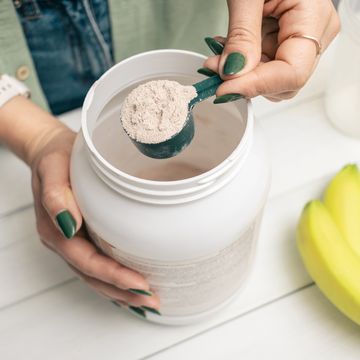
270	25
212	62
81	254
56	195
215	44
295	58
331	31
269	33
281	96
269	45
295	61
44	225
272	99
287	95
264	58
300	20
268	78
307	17
243	44
269	42
112	292
301	53
220	39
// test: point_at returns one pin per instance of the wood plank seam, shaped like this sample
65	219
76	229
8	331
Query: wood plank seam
280	298
39	293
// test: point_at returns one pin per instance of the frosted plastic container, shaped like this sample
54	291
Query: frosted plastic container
189	224
342	96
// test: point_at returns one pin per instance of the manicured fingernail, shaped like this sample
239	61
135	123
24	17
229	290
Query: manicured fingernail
207	72
138	310
151	310
140	292
66	223
215	46
116	304
227	98
234	63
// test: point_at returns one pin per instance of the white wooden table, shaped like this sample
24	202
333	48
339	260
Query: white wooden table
46	313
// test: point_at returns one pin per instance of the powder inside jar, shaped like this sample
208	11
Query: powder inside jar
157	110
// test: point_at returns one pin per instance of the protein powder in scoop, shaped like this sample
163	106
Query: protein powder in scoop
157	110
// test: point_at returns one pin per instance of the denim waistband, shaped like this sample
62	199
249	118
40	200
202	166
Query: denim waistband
70	43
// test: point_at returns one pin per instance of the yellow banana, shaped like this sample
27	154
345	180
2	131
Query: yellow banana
342	198
330	260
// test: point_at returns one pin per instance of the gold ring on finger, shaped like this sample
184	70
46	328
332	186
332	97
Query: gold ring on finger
316	41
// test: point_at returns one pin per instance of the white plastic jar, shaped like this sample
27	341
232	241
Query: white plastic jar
342	95
189	224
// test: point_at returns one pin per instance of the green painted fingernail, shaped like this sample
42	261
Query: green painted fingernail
66	223
140	292
234	63
116	304
215	46
151	310
227	98
207	72
138	311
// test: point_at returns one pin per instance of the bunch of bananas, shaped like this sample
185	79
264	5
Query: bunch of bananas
328	238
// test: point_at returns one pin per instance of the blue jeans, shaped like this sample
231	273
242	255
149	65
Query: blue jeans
70	43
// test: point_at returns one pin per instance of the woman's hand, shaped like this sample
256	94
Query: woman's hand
45	144
59	222
259	56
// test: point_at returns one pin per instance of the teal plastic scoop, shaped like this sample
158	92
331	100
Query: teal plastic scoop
182	139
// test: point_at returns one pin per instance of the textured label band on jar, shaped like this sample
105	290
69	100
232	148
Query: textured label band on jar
190	287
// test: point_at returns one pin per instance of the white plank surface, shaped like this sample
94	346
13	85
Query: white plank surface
304	146
14	183
16	227
26	266
303	325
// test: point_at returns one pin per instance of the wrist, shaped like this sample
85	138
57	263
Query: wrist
23	124
33	148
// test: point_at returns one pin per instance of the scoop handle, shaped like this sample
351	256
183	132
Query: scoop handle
206	89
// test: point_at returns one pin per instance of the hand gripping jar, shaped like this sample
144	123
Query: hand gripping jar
189	224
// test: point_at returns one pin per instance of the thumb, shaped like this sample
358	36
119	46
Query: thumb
56	195
242	50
